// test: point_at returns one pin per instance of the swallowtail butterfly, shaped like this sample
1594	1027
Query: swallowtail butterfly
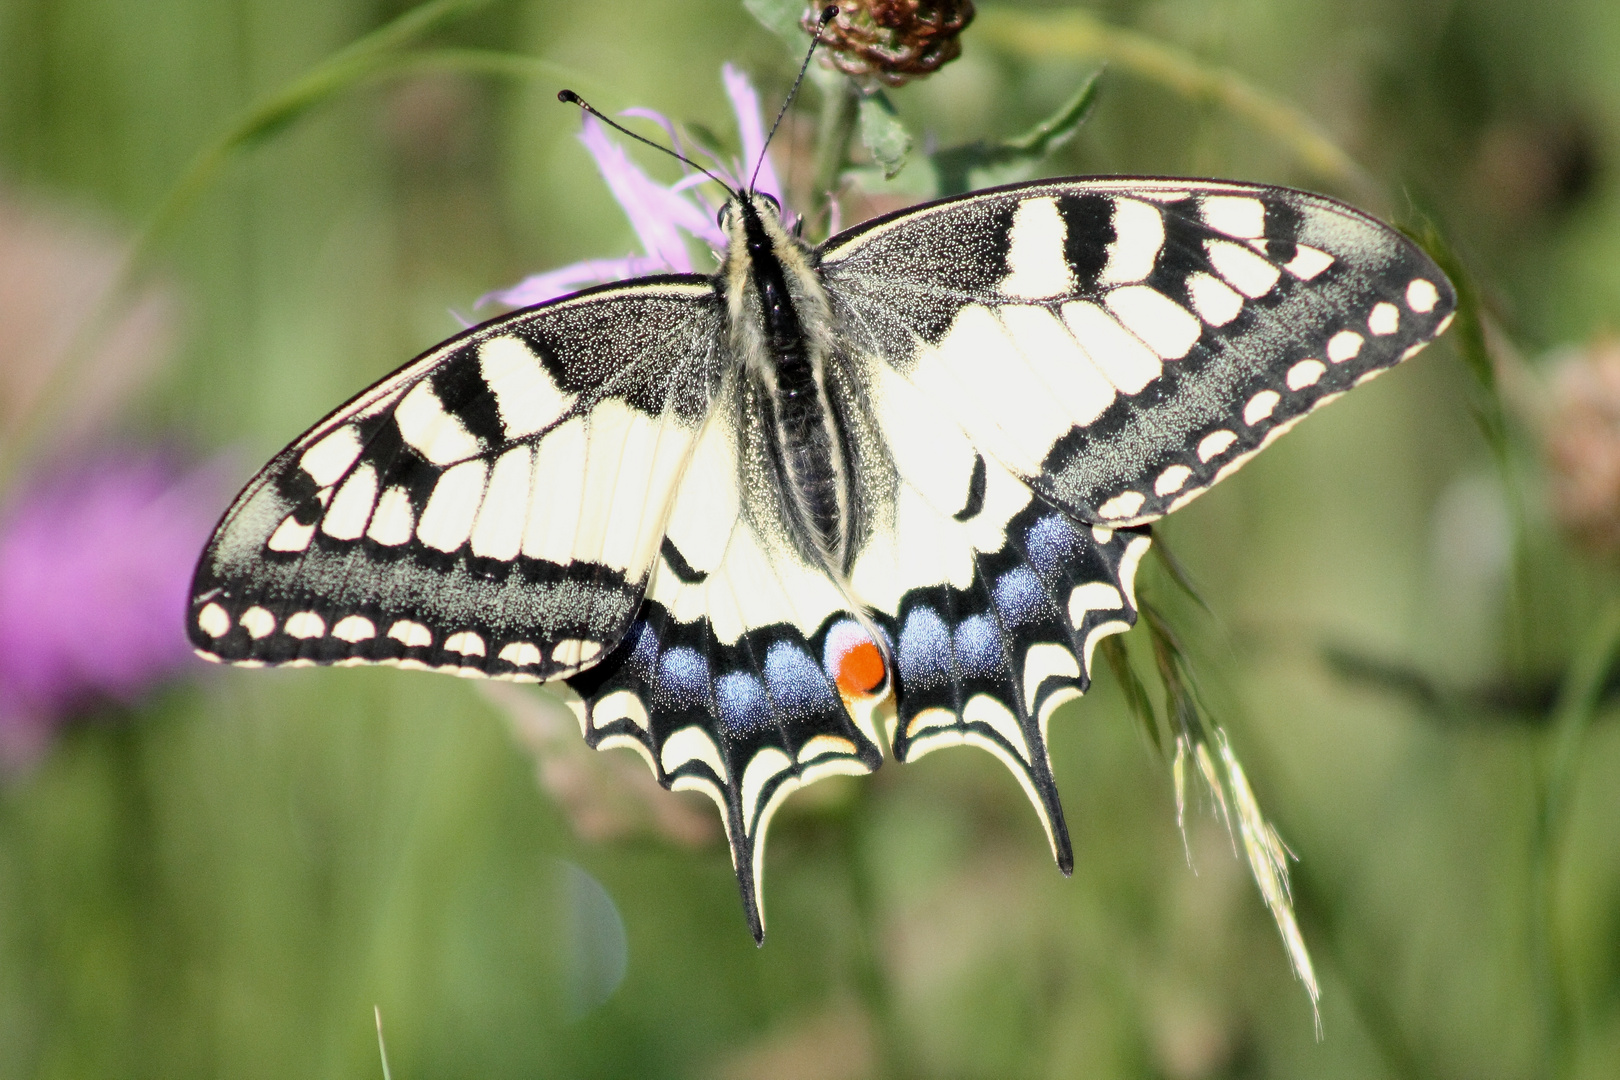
894	488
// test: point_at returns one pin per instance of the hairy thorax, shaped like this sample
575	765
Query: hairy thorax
781	331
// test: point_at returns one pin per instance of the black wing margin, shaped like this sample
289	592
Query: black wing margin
491	509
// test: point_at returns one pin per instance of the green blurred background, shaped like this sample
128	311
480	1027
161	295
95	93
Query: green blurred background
224	880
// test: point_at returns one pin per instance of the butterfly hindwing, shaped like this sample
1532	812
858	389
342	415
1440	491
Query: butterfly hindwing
1124	344
744	676
993	599
493	508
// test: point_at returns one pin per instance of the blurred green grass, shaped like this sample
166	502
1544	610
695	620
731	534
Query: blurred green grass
223	881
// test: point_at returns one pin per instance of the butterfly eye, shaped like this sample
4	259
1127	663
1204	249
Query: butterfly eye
723	216
775	205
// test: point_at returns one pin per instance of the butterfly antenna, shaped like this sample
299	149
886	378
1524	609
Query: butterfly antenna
828	13
568	97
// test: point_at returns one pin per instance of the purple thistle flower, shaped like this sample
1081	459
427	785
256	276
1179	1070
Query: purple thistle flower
659	215
95	574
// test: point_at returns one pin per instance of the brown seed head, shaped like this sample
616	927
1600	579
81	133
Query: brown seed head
892	41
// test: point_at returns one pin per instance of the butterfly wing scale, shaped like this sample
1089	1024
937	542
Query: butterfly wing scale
1121	345
493	508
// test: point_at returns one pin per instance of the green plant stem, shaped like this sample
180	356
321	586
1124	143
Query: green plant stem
834	133
1578	704
1077	34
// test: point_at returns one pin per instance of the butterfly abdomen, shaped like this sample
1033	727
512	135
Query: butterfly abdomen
782	331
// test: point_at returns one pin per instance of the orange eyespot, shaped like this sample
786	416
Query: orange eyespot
860	669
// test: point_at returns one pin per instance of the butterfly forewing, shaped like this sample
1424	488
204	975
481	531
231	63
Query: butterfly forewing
1123	344
493	508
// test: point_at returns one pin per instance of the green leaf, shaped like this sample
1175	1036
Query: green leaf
984	164
882	133
780	17
1130	685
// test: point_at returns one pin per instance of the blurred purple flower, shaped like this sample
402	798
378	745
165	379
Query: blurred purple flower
659	214
95	571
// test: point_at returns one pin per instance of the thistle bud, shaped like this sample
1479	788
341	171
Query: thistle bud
892	41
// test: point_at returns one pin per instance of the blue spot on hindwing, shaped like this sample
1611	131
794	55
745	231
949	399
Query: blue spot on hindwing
1020	598
978	648
1053	545
643	659
742	704
684	677
798	685
925	649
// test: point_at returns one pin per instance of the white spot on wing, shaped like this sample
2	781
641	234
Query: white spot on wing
392	522
1305	373
1092	596
573	651
214	621
691	744
519	654
1042	661
1122	505
1421	296
1138	236
505	509
1307	262
525	394
1216	302
1171	480
352	628
1385	318
1128	564
766	765
328	459
258	622
466	643
1038	267
824	745
1260	406
305	624
1235	215
346	517
1215	443
1343	346
1248	273
410	634
434	433
291	536
984	709
623	705
447	520
1167	327
1129	364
